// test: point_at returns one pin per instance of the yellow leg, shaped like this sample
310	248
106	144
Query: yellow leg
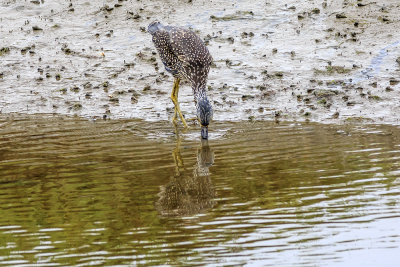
174	97
176	153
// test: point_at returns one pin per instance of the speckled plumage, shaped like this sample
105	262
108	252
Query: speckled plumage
182	52
185	56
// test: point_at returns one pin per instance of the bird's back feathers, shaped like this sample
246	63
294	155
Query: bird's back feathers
182	52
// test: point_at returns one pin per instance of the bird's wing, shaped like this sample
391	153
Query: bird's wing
188	47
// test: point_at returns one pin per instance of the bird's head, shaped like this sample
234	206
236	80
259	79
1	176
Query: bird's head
153	27
204	114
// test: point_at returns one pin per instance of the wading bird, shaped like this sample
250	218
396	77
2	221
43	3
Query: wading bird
185	56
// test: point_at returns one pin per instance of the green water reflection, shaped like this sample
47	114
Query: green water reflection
188	192
129	192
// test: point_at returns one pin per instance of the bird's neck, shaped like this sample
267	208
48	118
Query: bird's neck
204	108
199	91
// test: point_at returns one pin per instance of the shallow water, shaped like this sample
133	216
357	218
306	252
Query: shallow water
78	192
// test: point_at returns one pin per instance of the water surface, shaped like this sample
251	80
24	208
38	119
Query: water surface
78	192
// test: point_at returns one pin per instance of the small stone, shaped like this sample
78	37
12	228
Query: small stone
108	8
246	97
75	89
315	11
374	97
322	101
66	50
351	103
341	16
261	87
114	99
4	50
77	106
87	85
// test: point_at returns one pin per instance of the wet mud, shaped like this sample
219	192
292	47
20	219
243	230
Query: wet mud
325	61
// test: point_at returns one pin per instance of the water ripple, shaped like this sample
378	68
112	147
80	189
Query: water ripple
74	192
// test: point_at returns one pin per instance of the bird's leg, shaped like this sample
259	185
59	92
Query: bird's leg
174	97
176	153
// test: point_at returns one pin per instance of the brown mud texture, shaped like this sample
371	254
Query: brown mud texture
325	61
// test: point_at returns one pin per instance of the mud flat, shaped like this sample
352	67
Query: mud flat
324	61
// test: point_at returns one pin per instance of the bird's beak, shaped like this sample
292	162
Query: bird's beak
204	132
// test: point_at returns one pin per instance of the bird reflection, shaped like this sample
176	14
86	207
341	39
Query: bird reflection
188	193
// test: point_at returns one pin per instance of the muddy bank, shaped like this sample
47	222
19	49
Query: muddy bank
325	61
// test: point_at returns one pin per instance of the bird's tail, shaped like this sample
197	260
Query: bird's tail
154	26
